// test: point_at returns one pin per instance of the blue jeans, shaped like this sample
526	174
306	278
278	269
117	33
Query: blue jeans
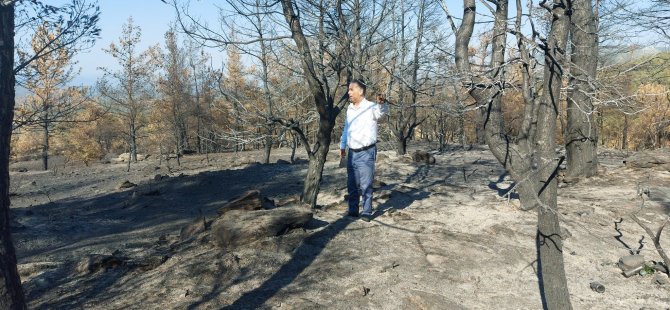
360	174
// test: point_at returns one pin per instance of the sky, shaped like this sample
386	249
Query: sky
152	16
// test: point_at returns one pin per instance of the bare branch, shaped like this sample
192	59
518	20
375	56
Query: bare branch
656	238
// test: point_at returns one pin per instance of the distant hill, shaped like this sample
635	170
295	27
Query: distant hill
637	52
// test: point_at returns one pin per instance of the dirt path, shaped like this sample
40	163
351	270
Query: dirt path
445	238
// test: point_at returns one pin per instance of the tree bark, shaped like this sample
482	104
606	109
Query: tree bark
133	142
317	160
460	115
323	101
268	146
45	147
11	294
294	146
531	162
581	134
266	92
401	145
480	132
553	282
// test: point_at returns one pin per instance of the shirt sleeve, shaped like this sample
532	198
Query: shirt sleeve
343	138
380	110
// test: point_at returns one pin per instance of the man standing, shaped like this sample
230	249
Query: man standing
360	136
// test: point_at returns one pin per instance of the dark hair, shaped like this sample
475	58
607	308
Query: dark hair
359	83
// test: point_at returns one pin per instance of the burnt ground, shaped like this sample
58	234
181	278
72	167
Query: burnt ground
445	236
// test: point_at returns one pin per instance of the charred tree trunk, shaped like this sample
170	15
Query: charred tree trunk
317	160
184	135
480	132
133	141
198	112
266	92
460	114
624	138
601	125
532	161
553	282
581	138
324	103
180	135
176	131
294	146
440	131
401	145
268	146
45	147
11	294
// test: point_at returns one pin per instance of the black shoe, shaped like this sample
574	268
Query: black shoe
352	214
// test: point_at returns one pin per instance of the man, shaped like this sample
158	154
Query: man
360	136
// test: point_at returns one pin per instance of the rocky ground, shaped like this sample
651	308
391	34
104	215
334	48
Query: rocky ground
445	236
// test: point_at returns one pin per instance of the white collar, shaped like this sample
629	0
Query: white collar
360	105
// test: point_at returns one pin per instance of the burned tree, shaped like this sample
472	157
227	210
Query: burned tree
80	19
51	101
329	44
532	160
128	90
11	294
405	73
581	137
328	93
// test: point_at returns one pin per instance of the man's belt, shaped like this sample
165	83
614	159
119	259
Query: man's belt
363	148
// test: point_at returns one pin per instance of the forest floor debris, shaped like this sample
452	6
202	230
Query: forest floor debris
445	235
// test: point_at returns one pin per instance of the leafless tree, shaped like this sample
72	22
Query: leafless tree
581	137
250	33
128	90
532	160
204	92
79	20
326	74
404	69
654	15
175	86
330	43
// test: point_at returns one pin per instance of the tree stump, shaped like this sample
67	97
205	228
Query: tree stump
238	227
423	157
251	200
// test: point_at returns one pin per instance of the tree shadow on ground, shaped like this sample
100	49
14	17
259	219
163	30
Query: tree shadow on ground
309	250
68	299
400	200
69	229
661	195
502	192
303	256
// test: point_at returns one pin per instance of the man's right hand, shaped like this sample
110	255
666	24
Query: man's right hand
381	99
343	153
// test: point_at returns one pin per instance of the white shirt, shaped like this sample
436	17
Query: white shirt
360	126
